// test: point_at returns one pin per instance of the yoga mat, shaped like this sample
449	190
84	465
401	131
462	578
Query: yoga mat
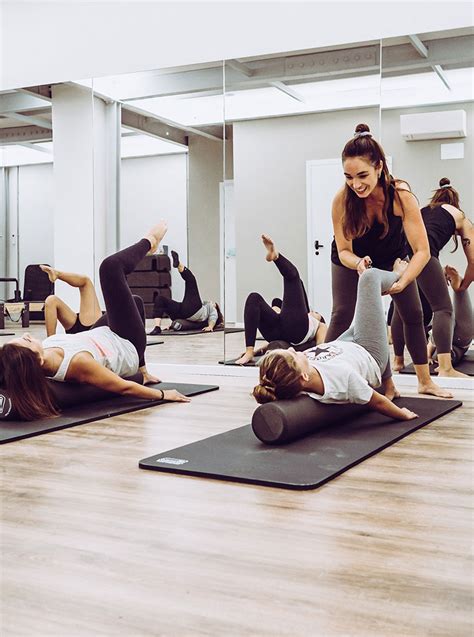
238	456
7	333
227	330
466	366
17	429
253	363
150	340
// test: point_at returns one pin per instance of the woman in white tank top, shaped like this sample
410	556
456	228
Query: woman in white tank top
104	356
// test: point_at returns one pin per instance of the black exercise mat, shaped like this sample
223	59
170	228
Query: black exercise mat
466	366
308	463
153	341
227	330
253	363
17	429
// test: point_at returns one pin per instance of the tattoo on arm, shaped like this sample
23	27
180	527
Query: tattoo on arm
466	242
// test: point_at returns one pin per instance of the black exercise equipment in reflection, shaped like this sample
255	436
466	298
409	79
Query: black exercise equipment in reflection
238	456
183	327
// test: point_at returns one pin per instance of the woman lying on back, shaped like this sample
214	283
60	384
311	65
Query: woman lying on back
345	370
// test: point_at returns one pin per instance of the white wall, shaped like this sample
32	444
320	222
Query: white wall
205	174
36	215
92	39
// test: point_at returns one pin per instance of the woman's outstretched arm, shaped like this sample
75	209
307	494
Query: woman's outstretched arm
84	369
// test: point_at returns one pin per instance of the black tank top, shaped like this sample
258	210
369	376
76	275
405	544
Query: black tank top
383	252
440	227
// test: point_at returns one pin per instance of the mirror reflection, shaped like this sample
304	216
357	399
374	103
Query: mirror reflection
426	117
44	211
163	131
290	116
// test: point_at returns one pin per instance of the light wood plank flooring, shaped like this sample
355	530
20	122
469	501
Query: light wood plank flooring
93	546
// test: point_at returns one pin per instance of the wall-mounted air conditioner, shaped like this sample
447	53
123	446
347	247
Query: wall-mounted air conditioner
436	125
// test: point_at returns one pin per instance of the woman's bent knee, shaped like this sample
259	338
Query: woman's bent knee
51	300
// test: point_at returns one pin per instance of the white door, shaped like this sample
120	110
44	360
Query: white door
228	265
324	177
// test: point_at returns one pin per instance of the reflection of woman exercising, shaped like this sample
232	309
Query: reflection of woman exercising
55	309
293	322
102	356
345	370
191	308
443	219
371	215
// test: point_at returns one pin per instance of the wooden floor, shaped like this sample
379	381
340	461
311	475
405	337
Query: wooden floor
93	546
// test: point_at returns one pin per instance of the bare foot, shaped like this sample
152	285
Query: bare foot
156	234
272	252
453	277
450	373
434	390
245	358
398	363
390	391
149	379
400	266
431	351
51	272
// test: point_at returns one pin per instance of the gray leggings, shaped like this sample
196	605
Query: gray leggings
369	329
462	333
344	295
432	283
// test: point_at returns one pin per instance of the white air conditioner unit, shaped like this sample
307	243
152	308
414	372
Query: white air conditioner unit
436	125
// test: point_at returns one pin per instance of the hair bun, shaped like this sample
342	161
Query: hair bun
444	182
362	128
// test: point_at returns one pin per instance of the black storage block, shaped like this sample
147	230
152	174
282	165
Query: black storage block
154	263
149	279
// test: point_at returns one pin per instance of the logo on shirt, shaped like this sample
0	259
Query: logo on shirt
323	353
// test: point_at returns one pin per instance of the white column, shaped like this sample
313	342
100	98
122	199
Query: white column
85	133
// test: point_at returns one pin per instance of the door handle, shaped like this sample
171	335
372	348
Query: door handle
317	245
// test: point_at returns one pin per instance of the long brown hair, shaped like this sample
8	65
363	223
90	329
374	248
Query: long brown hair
355	221
21	374
280	377
446	194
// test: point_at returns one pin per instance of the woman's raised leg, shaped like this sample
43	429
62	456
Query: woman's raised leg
122	313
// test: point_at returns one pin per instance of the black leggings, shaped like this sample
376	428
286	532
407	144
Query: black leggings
408	304
432	283
291	324
125	314
104	320
190	304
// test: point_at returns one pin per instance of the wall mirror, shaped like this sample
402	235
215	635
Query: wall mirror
45	179
427	115
160	137
288	117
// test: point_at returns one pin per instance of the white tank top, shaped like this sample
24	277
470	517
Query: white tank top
312	329
107	348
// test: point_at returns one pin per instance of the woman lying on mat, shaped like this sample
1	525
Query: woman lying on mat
103	356
191	308
288	320
345	370
443	219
